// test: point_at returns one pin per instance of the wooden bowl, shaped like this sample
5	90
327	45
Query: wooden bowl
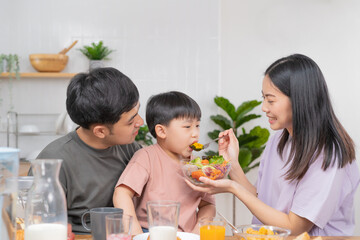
49	62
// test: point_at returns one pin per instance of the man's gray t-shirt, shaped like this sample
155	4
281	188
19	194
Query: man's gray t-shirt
87	175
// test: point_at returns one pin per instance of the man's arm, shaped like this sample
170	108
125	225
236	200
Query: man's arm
122	198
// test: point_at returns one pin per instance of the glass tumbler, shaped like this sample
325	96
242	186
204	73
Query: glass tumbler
163	218
118	227
212	229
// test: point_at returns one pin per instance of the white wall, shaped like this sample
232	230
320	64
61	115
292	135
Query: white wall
203	48
161	45
256	33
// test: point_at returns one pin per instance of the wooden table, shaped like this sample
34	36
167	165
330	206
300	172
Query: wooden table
24	168
88	237
82	237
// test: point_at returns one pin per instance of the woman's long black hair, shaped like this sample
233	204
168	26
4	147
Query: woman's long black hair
316	129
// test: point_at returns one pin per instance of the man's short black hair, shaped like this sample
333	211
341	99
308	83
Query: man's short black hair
164	107
100	96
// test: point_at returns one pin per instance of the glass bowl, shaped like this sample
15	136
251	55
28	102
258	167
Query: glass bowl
260	232
214	167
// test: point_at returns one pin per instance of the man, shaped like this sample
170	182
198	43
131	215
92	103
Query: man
105	104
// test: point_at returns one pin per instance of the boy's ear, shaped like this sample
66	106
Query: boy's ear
160	131
100	131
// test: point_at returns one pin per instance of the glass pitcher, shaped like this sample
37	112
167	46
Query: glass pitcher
45	213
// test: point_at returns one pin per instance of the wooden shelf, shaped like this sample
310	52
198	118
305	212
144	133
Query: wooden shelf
40	75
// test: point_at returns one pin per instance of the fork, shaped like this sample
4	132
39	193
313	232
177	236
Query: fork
214	140
207	144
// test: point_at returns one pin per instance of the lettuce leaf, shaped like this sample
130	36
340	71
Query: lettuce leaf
216	160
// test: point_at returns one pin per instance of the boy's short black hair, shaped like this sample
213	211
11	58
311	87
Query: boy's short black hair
100	96
164	107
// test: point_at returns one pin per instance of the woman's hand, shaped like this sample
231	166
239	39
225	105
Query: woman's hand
229	147
213	186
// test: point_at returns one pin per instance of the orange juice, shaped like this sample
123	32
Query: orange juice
212	232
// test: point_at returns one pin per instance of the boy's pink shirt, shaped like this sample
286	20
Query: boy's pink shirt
153	175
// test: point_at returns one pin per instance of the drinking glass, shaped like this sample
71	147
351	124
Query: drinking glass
212	229
97	221
163	218
9	167
118	227
24	185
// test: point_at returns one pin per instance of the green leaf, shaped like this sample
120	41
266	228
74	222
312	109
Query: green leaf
246	107
244	157
215	159
222	121
96	51
227	106
243	119
247	169
214	134
251	144
245	139
10	63
211	153
262	135
256	152
144	135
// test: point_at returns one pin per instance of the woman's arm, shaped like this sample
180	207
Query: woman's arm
246	192
206	209
229	149
266	214
270	216
122	198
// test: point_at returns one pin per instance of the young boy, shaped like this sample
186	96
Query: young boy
105	104
154	172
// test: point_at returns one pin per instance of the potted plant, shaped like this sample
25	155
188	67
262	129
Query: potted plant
144	137
10	63
252	143
96	53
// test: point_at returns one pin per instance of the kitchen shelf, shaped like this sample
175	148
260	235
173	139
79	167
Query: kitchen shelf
35	134
40	75
45	121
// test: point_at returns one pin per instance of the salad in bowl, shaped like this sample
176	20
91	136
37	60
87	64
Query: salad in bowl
212	167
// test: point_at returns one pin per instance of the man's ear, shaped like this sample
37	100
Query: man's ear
100	131
160	131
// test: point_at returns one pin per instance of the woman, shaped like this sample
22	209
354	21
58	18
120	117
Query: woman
307	175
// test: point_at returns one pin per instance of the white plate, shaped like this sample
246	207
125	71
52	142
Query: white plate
182	235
